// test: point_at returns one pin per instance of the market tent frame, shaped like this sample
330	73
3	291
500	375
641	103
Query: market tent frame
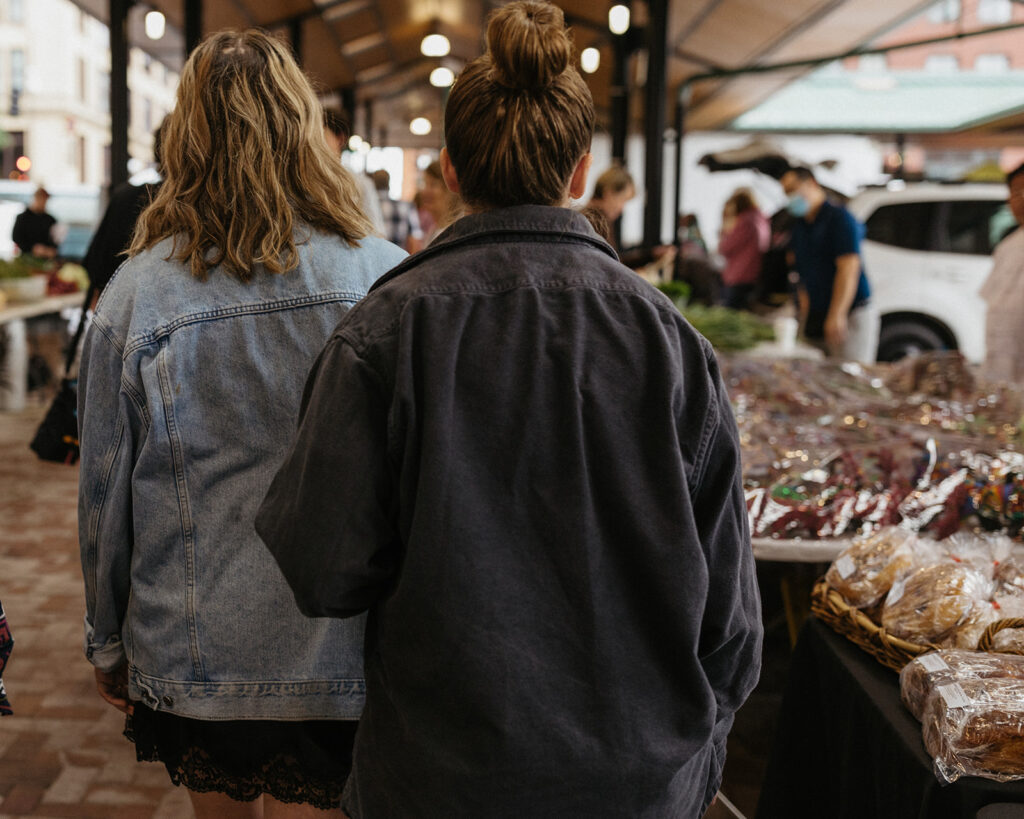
365	54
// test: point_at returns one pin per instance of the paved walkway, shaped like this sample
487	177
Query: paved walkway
61	753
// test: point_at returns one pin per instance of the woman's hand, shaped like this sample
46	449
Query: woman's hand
113	687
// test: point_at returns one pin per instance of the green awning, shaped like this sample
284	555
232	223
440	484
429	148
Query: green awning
892	102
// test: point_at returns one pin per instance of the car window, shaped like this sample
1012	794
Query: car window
906	224
971	226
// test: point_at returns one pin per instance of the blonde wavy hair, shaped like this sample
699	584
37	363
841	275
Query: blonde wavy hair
245	159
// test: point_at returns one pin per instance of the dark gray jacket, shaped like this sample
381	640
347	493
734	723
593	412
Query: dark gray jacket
521	459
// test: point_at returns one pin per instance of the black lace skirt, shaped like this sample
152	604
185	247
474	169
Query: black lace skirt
298	762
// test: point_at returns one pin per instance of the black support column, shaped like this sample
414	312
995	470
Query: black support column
682	103
119	91
657	86
619	97
295	34
193	24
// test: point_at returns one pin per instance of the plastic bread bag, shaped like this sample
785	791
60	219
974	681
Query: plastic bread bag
975	727
1009	574
920	678
927	605
967	634
864	572
984	553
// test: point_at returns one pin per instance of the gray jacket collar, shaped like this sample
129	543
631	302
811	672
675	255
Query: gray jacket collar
539	220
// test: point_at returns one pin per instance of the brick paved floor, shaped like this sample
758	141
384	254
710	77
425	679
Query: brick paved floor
62	753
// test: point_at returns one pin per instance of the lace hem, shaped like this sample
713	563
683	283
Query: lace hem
283	777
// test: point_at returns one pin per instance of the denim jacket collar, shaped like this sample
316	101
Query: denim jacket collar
563	223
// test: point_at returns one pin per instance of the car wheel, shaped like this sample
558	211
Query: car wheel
899	339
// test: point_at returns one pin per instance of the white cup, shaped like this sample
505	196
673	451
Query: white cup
785	332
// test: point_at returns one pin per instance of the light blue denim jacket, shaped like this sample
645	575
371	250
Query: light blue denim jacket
189	395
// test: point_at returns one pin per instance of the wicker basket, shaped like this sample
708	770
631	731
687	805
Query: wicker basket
985	641
829	606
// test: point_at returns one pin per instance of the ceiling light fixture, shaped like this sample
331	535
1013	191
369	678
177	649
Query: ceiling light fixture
435	45
590	59
618	19
442	77
355	142
420	126
155	23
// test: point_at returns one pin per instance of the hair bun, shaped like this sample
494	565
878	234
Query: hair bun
528	44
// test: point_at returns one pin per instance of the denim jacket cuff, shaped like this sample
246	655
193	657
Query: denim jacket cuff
105	656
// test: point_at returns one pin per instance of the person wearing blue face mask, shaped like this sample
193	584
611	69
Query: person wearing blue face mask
834	293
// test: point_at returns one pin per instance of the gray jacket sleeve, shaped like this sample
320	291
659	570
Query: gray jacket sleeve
731	630
338	557
109	423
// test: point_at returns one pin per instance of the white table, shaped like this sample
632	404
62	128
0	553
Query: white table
798	550
15	365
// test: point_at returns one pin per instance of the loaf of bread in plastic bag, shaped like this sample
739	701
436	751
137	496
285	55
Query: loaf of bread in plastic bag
864	572
927	605
975	727
920	678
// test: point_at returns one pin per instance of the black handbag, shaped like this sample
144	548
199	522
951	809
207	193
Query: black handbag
57	436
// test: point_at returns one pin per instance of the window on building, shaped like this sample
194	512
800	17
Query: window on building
103	91
11	147
945	11
991	63
995	11
16	11
147	114
941	64
83	97
872	63
83	171
17	79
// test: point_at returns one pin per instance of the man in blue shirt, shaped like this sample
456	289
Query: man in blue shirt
834	293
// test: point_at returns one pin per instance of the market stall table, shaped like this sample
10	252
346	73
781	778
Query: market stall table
846	747
15	365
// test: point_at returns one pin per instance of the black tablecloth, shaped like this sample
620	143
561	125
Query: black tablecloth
847	747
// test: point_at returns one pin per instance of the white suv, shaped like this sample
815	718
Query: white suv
927	250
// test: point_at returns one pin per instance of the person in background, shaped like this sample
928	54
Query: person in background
401	221
337	132
1003	292
834	294
689	237
189	389
440	204
33	228
110	242
522	460
743	238
612	190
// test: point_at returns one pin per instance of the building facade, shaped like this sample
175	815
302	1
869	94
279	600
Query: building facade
55	95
